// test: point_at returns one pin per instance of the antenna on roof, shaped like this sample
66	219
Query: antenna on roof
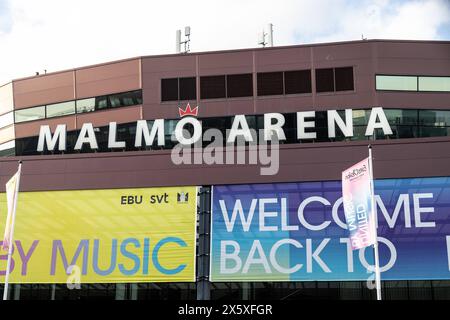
270	34
186	42
262	36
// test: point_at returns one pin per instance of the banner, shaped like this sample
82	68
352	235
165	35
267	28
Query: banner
357	198
11	187
297	232
103	236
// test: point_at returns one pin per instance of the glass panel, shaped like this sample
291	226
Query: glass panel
131	98
60	109
360	117
359	133
297	82
169	133
115	100
441	84
402	83
240	85
29	114
434	131
324	80
85	105
401	117
101	102
169	89
8	145
6	98
403	132
212	87
6	119
344	78
188	89
434	118
270	83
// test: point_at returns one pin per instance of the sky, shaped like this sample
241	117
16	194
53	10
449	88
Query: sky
63	34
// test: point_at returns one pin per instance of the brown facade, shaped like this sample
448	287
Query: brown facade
298	162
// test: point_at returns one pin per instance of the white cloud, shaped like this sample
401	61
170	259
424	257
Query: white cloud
57	34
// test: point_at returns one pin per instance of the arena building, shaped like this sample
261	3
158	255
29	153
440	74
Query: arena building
98	138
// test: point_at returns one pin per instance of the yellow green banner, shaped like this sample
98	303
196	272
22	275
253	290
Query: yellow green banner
103	236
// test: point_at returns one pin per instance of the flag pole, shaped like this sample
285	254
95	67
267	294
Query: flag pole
10	248
374	226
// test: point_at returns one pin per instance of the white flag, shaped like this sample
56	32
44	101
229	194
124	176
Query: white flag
11	193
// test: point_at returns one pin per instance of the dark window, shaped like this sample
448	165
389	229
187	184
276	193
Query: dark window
169	89
101	102
239	85
212	87
131	98
270	83
114	100
344	78
324	80
188	89
297	82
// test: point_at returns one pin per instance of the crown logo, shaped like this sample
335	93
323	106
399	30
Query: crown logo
188	111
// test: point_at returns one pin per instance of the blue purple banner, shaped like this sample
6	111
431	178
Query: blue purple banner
298	232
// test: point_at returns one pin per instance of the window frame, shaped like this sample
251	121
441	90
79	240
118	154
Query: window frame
353	79
270	94
18	110
252	85
430	91
297	93
213	76
396	75
315	80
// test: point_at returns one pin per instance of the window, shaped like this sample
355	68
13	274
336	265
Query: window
297	82
85	105
270	83
239	85
337	79
101	102
413	83
401	116
80	106
125	99
29	114
131	98
343	78
324	80
212	87
401	83
60	109
114	100
434	118
178	89
8	149
188	89
169	133
436	84
6	119
403	123
169	89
